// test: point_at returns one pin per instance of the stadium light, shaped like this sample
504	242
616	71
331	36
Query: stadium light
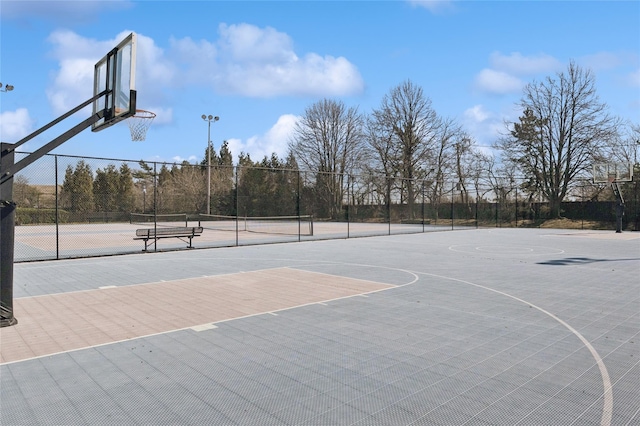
6	88
209	118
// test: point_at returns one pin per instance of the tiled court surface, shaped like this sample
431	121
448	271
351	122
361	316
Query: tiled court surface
115	313
480	327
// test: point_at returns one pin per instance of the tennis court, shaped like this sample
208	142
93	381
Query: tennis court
476	327
44	242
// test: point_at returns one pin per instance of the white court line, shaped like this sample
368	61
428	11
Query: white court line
203	327
607	394
607	409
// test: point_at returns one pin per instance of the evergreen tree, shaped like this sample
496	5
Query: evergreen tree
105	189
77	188
125	189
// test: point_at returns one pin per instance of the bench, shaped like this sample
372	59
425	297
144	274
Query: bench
181	232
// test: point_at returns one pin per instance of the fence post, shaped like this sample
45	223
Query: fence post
155	205
348	212
452	191
297	204
583	209
389	203
477	202
423	206
237	192
516	206
55	158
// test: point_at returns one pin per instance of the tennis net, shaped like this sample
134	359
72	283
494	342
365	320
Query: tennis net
159	219
286	225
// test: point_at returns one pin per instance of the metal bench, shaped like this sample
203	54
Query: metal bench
181	232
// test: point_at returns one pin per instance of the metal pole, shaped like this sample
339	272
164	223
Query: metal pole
452	189
298	205
209	168
348	203
7	239
209	118
389	203
422	207
477	201
237	202
516	206
155	205
57	211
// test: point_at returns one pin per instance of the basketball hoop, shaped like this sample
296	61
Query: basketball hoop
139	123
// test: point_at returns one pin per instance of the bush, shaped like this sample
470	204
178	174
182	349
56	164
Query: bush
30	216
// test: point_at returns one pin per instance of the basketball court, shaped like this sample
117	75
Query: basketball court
481	327
476	327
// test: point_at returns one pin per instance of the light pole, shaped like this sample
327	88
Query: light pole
7	88
209	118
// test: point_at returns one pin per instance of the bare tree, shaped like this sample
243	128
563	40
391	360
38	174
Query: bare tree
403	133
481	167
624	149
463	162
329	140
443	158
561	133
25	195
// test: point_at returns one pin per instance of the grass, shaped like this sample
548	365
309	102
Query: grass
564	223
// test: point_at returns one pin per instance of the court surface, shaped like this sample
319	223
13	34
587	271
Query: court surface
475	327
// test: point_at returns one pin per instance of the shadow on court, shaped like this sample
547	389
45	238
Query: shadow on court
575	261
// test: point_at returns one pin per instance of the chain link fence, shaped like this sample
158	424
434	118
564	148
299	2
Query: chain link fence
69	206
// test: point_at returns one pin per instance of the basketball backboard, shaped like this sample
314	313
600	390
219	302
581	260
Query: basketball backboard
612	172
115	73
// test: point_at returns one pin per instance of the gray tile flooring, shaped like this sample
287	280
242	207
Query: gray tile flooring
483	329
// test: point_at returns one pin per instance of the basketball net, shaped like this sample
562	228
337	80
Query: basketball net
139	124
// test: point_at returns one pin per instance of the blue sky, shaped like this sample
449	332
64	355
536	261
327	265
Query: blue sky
258	65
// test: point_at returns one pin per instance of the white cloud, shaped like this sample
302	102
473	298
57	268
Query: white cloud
275	140
73	82
517	64
195	60
476	114
178	159
497	82
487	125
503	76
483	124
434	6
163	115
249	44
14	125
633	78
259	62
602	61
246	61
